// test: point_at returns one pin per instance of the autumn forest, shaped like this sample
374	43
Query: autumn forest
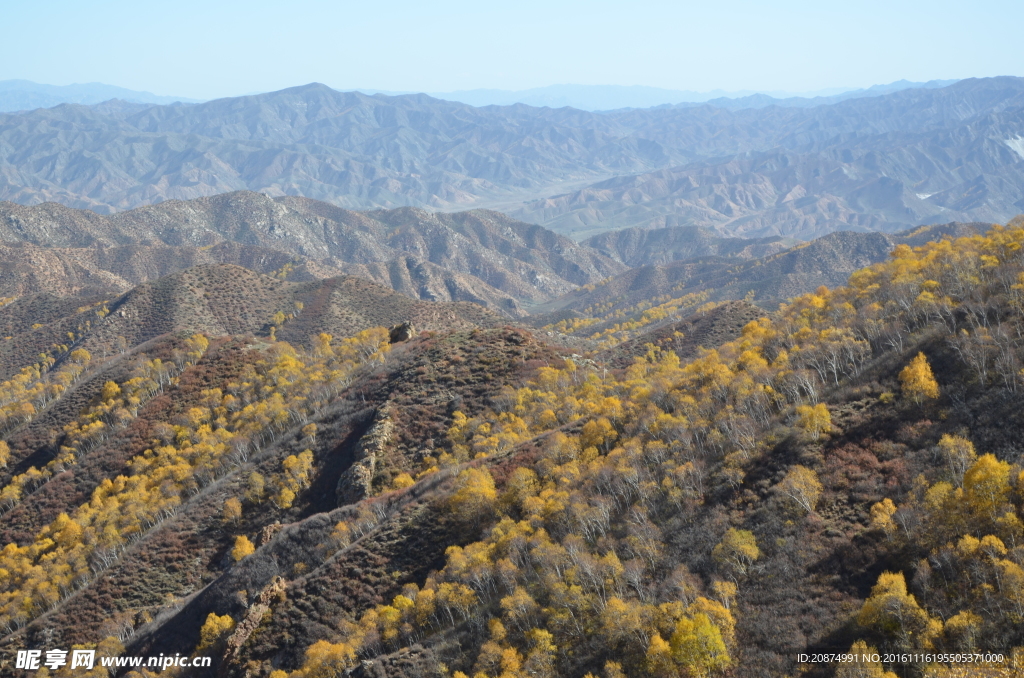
679	487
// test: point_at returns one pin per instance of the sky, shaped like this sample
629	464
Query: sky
208	49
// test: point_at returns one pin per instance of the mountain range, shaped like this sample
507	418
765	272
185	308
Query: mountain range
612	97
21	95
888	162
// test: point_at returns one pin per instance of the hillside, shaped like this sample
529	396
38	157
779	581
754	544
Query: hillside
886	162
843	475
30	269
217	300
656	246
770	279
468	256
704	330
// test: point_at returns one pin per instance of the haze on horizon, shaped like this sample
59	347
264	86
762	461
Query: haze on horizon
210	50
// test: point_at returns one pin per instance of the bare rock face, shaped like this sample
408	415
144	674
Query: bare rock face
401	332
253	617
356	482
267	533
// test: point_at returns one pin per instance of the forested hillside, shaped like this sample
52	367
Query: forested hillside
300	493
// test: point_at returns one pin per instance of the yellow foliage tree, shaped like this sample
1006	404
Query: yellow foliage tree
917	380
456	598
881	516
243	547
987	487
659	661
474	496
801	485
295	477
725	591
814	419
962	631
232	511
327	660
698	647
895	613
341	535
215	628
110	391
309	431
255	487
959	455
284	498
402	480
737	551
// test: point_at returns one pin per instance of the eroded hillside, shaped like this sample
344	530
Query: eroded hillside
478	256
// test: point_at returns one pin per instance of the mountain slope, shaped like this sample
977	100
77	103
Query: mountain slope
219	299
844	475
472	256
652	246
827	261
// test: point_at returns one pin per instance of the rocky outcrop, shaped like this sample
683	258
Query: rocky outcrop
253	617
356	482
401	332
268	532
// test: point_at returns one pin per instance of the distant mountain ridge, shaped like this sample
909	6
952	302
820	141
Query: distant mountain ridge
612	97
810	100
888	162
23	95
888	179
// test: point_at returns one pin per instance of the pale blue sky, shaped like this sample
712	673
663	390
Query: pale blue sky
209	48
